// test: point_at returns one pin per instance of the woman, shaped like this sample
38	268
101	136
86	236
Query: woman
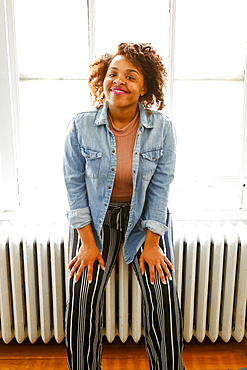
118	165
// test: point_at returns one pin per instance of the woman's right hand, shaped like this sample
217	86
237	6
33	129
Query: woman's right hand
86	256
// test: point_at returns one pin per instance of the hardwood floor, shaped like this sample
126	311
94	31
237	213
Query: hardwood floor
119	356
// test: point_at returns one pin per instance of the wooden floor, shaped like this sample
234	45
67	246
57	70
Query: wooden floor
127	356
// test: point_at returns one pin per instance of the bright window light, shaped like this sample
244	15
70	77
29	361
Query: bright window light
208	89
52	38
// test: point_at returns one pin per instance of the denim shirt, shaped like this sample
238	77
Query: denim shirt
89	170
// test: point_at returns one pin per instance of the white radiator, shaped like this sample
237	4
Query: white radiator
211	274
33	287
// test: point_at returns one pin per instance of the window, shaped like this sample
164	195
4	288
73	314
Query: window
53	56
208	104
203	46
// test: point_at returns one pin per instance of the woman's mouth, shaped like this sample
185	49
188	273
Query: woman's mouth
118	91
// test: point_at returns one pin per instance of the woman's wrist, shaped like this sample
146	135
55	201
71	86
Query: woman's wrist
86	235
151	240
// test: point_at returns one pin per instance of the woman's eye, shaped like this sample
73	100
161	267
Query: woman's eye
130	78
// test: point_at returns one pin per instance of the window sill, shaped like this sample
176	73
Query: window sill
207	216
49	217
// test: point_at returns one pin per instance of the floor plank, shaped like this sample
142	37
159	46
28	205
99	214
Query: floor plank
217	356
123	356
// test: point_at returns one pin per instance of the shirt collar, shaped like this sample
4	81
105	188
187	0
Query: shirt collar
101	118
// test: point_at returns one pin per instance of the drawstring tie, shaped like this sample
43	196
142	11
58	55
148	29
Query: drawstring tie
117	216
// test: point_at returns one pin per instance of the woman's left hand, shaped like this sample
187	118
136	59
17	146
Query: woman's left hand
153	255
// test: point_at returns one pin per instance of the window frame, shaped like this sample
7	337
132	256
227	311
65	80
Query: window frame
9	111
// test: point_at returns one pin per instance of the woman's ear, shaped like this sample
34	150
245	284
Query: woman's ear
144	90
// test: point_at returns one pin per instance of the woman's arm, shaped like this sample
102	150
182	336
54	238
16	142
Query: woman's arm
86	256
74	176
154	218
157	196
79	214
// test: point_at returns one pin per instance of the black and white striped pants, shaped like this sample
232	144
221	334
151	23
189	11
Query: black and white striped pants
84	312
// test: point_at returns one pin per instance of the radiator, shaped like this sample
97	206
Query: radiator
211	275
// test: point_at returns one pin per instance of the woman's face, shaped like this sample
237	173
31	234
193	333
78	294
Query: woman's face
123	84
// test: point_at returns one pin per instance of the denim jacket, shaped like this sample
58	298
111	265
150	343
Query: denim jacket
90	166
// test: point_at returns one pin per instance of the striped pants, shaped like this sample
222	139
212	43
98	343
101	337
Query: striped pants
161	311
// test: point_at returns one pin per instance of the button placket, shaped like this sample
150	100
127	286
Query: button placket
112	170
135	166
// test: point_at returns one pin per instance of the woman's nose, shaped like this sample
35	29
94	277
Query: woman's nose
119	81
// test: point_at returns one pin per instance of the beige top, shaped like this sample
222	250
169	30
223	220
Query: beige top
125	141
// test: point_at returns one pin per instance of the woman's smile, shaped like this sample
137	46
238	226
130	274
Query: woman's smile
118	91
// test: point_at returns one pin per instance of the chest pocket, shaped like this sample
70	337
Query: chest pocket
149	162
93	160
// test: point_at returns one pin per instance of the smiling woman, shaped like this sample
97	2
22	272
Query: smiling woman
124	206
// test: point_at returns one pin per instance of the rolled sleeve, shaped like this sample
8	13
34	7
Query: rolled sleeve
155	226
79	218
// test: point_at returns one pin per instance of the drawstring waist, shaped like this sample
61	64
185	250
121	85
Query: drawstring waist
117	216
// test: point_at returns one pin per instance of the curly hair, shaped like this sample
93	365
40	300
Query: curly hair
145	58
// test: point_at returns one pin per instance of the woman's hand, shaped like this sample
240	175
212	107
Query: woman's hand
86	256
153	255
